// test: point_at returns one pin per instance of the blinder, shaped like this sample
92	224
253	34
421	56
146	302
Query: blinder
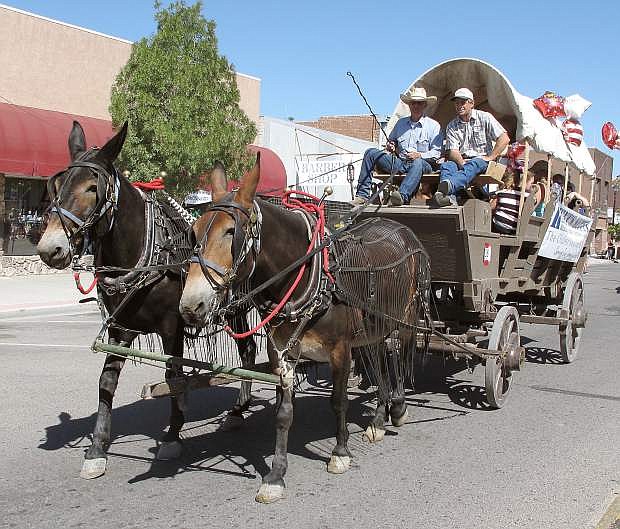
245	241
107	201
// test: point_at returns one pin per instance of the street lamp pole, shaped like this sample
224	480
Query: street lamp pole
615	185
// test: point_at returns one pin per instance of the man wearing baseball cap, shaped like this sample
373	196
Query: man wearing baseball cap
413	146
473	139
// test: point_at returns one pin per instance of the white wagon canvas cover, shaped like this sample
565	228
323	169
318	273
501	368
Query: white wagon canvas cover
494	93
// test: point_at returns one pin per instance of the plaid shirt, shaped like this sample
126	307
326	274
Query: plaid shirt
475	137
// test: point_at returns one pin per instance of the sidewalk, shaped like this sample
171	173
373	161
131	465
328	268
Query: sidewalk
19	293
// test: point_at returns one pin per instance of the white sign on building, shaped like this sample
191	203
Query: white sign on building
314	173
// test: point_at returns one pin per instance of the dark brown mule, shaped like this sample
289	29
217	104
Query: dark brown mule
92	201
224	263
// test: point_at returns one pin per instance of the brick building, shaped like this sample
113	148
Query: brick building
361	127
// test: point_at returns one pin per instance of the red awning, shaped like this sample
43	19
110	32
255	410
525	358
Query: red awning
272	172
33	142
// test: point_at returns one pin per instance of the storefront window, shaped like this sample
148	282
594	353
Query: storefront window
25	202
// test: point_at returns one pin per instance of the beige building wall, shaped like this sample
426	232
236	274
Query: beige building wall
55	66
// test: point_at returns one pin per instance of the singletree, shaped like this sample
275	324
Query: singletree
182	102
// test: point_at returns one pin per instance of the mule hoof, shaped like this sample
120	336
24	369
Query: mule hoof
338	464
268	493
93	468
232	422
400	420
374	434
169	450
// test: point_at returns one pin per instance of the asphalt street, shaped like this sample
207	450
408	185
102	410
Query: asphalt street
549	459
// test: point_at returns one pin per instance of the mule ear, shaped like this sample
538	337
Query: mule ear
114	145
247	190
77	140
218	181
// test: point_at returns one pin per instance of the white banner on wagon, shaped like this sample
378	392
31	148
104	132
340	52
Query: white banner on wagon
566	235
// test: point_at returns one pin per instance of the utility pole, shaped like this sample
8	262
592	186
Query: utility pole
615	185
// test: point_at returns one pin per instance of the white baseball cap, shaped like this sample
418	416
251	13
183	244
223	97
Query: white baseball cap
463	93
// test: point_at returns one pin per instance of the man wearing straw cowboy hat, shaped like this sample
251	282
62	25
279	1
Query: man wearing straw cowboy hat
413	145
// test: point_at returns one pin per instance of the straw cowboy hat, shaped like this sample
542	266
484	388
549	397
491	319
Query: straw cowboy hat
417	94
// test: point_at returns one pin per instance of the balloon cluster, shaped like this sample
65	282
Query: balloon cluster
554	107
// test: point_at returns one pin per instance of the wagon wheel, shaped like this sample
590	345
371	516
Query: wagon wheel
504	337
572	308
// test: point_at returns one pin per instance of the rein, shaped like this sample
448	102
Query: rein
319	243
318	234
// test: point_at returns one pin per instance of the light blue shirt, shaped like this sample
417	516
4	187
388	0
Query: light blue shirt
423	136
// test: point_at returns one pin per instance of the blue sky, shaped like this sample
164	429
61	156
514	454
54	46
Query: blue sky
302	50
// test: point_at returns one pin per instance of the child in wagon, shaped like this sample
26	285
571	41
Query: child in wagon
505	205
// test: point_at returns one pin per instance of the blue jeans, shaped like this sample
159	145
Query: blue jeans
460	178
388	163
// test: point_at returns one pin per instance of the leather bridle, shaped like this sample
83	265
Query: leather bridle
108	187
245	243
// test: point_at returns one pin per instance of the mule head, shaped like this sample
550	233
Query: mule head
75	195
220	258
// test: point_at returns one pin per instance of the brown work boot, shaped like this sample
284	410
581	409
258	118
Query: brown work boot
441	197
358	201
396	199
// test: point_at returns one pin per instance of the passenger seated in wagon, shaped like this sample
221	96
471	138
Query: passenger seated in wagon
574	200
412	149
506	203
469	146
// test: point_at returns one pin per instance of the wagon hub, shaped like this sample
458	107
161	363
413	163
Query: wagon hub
515	357
579	316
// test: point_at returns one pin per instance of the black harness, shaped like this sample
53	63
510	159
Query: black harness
108	187
246	242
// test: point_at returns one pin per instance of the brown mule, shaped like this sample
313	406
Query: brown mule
91	201
246	240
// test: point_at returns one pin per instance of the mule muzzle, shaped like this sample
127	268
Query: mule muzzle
54	250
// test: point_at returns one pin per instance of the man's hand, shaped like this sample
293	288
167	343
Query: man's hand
487	158
413	155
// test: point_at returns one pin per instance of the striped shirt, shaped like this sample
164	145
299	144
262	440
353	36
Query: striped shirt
506	214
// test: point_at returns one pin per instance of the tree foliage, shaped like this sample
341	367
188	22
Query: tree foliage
613	230
182	102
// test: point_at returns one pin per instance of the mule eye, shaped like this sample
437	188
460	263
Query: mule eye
230	232
92	189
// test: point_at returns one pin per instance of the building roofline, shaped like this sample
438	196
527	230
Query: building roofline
73	26
20	11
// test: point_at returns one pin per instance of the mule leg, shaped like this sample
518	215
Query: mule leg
375	432
398	405
272	488
171	446
341	366
95	459
247	353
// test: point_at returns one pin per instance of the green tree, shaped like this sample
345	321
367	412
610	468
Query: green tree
614	231
182	102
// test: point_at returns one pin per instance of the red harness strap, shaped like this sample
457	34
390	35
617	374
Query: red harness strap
78	283
318	209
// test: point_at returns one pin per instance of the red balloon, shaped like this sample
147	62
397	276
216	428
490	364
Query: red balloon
550	105
610	135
